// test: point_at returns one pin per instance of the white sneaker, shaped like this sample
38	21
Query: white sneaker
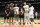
17	23
26	23
32	24
4	25
29	23
7	24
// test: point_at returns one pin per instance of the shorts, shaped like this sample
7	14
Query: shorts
12	15
21	16
16	15
31	15
32	19
5	16
25	15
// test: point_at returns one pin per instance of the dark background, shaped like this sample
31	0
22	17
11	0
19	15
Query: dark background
35	3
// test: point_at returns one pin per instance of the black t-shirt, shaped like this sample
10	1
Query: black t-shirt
11	11
20	9
7	10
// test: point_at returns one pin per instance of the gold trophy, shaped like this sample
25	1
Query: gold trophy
25	10
16	12
22	12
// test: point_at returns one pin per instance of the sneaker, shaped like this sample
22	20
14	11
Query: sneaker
12	23
23	23
26	23
7	24
4	25
20	23
32	24
29	23
17	23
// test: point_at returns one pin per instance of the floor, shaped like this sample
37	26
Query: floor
35	25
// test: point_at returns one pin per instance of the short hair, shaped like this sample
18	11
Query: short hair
11	3
7	5
24	2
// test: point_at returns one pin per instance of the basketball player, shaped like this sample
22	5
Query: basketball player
31	15
16	13
26	8
7	12
21	14
36	14
11	11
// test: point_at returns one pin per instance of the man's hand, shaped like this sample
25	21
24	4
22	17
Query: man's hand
14	10
6	12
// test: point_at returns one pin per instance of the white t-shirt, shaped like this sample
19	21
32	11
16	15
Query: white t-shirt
31	10
26	7
12	7
17	9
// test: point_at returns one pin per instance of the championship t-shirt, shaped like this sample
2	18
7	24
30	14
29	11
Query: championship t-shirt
31	10
16	10
26	8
